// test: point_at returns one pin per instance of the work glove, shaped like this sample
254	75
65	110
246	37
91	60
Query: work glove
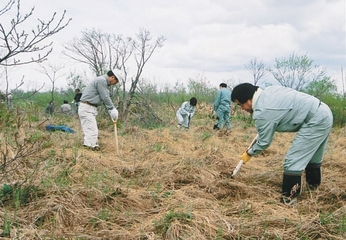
113	113
245	157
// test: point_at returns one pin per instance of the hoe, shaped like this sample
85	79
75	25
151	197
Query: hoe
237	168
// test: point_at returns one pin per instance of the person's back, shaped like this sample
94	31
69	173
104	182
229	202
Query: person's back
223	99
288	111
66	108
222	107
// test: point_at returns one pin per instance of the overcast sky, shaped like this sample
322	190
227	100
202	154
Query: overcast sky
210	39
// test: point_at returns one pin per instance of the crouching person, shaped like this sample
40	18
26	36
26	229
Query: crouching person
186	112
282	109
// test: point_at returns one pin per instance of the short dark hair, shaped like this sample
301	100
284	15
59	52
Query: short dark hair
65	101
111	74
193	101
243	92
223	85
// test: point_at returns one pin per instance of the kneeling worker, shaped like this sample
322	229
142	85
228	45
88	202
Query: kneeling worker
186	112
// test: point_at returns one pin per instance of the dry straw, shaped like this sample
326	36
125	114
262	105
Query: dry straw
178	188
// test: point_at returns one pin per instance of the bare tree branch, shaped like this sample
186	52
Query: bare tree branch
52	73
101	52
257	69
143	50
18	44
95	49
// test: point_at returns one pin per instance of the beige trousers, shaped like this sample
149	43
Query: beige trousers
87	116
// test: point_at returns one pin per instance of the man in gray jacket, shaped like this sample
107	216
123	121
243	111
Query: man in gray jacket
93	95
282	109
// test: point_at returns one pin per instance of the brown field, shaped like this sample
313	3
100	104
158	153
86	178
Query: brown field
169	183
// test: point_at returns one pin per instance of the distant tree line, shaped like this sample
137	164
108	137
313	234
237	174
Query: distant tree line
101	51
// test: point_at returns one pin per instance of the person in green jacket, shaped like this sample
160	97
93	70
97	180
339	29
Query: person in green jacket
222	107
282	109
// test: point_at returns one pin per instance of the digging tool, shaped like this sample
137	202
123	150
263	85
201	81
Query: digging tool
237	168
116	136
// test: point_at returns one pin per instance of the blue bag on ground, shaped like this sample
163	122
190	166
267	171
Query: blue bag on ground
53	128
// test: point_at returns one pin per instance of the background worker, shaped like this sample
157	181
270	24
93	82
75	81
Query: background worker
222	107
282	109
93	95
77	98
186	112
50	108
10	100
66	108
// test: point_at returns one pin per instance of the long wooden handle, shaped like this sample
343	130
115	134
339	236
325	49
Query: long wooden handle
238	167
116	137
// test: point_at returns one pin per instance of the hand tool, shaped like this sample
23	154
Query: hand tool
237	168
116	136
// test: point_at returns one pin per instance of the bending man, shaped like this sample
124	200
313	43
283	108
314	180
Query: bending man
93	95
281	109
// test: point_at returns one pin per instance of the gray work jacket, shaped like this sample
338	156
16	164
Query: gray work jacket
222	100
280	109
97	92
186	108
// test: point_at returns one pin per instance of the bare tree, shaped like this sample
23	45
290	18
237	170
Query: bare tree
296	71
51	71
18	44
102	51
96	49
144	48
257	68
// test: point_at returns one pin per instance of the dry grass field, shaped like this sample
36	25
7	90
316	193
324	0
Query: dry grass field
170	183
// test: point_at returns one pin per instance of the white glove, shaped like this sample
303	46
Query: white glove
113	113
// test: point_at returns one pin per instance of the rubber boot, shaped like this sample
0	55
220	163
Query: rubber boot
291	188
313	176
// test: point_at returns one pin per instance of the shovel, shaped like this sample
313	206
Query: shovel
238	167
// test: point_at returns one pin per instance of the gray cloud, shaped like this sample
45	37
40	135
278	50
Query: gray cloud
214	37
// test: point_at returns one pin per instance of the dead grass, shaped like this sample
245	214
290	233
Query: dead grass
175	184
